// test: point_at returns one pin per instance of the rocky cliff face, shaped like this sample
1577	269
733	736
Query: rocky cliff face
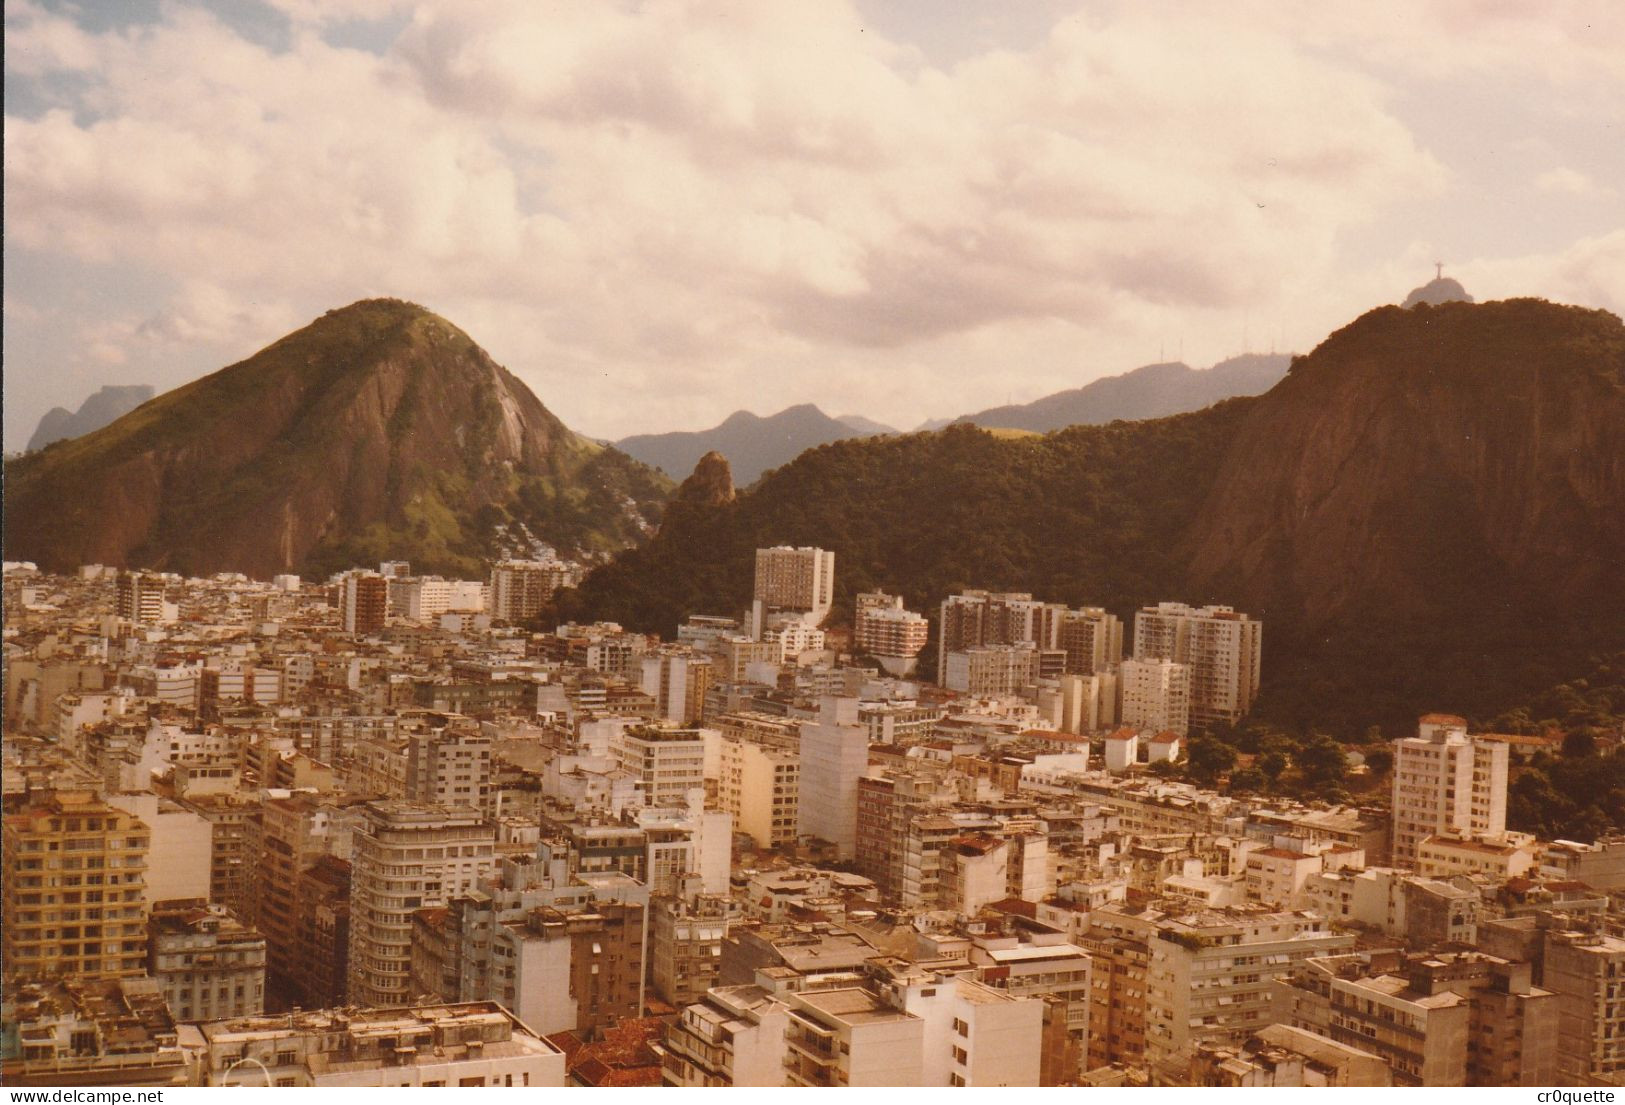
1425	462
378	427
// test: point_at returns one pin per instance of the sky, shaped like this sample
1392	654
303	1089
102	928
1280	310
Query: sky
659	212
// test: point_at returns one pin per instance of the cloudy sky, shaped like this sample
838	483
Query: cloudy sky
659	212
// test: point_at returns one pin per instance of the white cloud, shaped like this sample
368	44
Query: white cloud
1571	182
658	212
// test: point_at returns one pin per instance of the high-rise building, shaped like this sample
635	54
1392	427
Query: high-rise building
75	889
520	588
883	629
144	598
450	767
991	670
666	764
1091	638
677	680
834	756
760	785
1222	648
1156	695
363	602
794	583
1587	972
686	931
407	857
1447	784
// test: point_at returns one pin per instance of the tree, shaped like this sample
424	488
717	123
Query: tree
1246	781
1323	763
1580	743
1380	761
1210	758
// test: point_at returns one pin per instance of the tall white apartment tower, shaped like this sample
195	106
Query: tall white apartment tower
1222	647
1447	784
409	856
798	582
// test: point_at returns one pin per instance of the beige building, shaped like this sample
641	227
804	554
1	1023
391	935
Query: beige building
1210	973
75	889
519	588
1456	1019
1587	972
732	1036
991	670
792	582
407	857
75	1032
1447	784
760	785
211	966
883	629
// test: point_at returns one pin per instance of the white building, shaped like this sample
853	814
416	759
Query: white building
665	763
1222	648
761	787
834	755
1156	695
1447	784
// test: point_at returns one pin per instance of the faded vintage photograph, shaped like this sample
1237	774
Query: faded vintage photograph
863	543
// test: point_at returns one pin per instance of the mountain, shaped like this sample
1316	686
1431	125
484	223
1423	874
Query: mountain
866	427
1154	391
751	443
110	403
379	431
1426	515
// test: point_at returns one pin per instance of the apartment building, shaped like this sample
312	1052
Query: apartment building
406	857
666	764
892	635
450	767
1446	784
993	670
686	931
677	679
520	588
1586	970
791	583
75	888
834	756
1222	648
1211	972
79	1032
1449	1019
1092	640
1156	695
760	785
731	1036
363	602
210	965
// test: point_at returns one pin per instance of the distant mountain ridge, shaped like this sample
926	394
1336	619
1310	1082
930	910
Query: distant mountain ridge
380	431
752	443
1152	391
112	402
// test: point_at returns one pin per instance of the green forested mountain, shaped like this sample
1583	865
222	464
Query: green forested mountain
1427	514
379	431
